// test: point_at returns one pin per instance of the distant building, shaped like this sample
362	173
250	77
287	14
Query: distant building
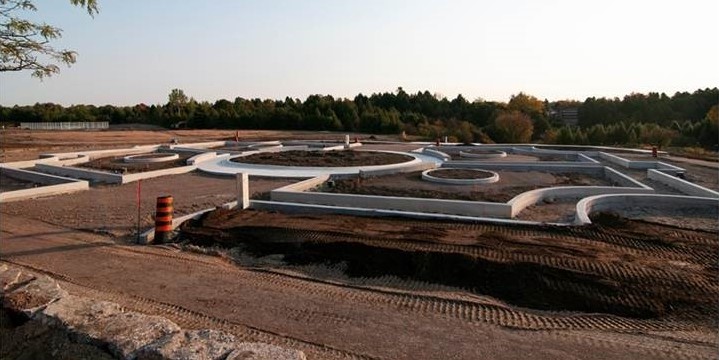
569	116
79	125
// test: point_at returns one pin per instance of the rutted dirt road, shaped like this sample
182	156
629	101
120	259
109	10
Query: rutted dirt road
324	319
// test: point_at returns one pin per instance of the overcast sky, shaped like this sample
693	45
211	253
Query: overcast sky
137	51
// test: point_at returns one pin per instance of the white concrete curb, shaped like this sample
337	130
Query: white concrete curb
493	178
592	204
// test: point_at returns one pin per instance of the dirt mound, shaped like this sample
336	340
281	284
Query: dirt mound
543	268
324	158
460	174
118	163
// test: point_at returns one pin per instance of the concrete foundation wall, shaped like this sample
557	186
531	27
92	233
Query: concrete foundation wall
547	166
42	191
620	179
305	185
55	185
128	178
585	158
78	173
681	185
453	207
29	163
35	177
110	178
201	157
529	198
324	209
96	154
397	170
200	145
74	161
619	202
436	154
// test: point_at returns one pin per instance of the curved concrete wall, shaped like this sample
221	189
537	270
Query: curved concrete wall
140	159
436	154
494	177
529	198
201	157
618	202
495	154
404	169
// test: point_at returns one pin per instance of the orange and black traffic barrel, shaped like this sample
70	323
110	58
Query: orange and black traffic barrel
163	219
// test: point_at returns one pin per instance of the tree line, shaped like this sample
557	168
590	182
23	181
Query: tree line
684	119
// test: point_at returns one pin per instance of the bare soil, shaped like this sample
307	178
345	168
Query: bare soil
414	250
113	209
325	313
510	184
324	158
554	212
345	287
16	145
116	164
460	174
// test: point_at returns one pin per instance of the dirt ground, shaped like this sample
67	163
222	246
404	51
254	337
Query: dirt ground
16	145
555	212
339	287
510	184
324	158
117	164
460	174
113	209
310	307
398	246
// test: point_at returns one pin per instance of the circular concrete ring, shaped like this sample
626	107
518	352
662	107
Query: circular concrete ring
485	154
265	145
491	178
150	158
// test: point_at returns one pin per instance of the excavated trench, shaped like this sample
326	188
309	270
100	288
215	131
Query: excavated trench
536	285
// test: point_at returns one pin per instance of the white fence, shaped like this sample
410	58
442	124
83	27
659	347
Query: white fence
80	125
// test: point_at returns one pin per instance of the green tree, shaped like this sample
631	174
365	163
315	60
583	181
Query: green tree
527	104
514	127
176	101
565	136
26	45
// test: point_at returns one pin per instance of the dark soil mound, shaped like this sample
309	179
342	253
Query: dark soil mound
324	158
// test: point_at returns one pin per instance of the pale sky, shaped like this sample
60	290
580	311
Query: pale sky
137	51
